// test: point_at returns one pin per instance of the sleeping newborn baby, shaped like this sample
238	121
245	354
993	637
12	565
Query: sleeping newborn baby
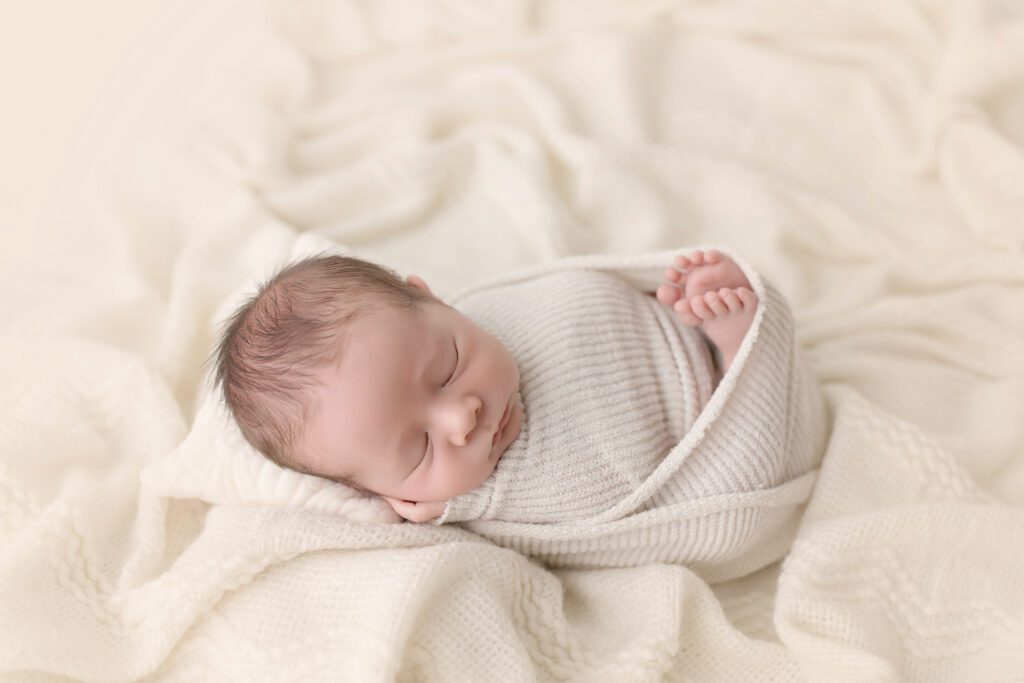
517	406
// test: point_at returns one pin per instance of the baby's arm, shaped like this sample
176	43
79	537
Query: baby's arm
416	512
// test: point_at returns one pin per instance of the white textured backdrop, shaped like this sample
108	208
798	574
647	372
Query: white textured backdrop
865	156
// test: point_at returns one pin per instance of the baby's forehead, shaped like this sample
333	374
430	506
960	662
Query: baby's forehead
412	331
425	315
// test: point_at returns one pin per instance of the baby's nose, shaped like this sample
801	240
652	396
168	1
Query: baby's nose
465	421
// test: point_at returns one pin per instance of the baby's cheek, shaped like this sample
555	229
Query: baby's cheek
426	484
446	481
452	477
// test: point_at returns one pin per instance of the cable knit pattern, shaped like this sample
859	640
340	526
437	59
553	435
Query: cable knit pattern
609	380
592	462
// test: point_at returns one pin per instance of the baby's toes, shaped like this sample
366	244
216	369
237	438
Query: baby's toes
746	296
713	256
701	309
685	313
732	302
673	275
668	295
683	262
715	303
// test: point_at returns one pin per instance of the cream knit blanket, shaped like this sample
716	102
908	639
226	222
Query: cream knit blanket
467	138
726	498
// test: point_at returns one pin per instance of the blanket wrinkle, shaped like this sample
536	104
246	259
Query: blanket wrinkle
866	157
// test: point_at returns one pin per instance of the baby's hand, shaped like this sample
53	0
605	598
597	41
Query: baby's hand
416	512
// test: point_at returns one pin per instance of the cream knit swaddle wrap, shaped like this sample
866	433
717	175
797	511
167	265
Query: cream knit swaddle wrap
610	381
727	498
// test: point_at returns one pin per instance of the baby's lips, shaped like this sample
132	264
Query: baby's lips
502	422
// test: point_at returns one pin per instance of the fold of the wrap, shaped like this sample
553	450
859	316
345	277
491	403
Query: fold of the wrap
727	499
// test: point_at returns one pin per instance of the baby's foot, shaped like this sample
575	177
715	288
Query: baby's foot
711	293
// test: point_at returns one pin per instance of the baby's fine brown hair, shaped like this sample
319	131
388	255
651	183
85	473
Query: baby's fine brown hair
296	323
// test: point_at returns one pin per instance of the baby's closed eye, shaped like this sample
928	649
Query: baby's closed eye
455	366
451	376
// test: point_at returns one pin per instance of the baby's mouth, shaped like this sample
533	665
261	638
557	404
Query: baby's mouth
501	423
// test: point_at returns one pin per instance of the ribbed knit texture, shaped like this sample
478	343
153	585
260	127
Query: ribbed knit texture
590	482
610	381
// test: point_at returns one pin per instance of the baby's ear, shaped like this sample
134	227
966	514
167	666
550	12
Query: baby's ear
417	281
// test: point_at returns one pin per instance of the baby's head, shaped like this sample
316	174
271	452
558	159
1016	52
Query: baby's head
339	368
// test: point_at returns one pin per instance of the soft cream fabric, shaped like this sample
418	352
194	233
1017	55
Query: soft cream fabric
726	497
610	381
865	156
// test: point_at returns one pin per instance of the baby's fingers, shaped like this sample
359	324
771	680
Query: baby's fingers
402	507
414	511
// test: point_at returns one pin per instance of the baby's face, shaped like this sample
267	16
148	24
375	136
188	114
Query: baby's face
414	409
